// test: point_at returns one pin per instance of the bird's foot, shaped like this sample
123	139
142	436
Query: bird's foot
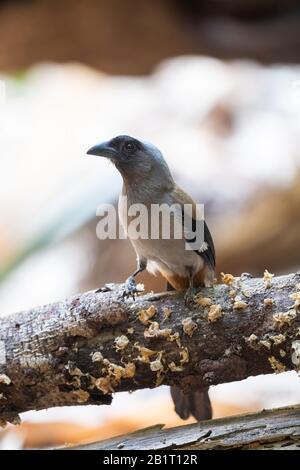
130	288
105	288
189	296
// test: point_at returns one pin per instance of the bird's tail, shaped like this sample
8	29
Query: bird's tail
192	403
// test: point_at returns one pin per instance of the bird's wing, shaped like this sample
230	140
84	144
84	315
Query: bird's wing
207	250
209	253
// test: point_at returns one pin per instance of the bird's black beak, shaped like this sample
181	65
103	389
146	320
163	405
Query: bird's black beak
103	150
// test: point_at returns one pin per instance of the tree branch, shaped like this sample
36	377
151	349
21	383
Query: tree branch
270	429
81	350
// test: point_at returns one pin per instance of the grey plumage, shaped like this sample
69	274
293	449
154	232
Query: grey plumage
147	180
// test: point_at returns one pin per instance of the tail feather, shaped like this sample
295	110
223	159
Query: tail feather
192	403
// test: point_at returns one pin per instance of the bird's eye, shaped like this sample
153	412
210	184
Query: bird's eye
129	147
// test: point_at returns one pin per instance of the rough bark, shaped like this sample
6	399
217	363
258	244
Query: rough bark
270	429
81	350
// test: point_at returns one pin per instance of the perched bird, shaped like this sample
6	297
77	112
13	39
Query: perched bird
147	180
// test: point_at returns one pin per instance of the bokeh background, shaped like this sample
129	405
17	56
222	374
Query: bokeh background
216	86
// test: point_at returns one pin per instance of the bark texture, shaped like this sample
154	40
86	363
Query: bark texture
271	429
83	349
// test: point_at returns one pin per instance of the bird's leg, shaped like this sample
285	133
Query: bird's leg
190	293
130	284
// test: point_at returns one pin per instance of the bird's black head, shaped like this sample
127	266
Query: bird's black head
132	157
119	148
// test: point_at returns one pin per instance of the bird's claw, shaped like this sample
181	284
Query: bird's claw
189	296
105	288
130	289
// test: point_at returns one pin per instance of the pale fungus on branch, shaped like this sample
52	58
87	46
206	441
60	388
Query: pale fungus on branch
184	355
154	331
189	326
145	353
104	385
173	368
296	297
157	365
268	278
4	379
145	315
239	304
252	339
203	301
215	313
266	343
227	279
284	318
166	312
296	353
97	356
232	294
121	342
278	339
92	345
276	365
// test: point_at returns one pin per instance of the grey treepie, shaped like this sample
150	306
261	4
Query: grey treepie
147	180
